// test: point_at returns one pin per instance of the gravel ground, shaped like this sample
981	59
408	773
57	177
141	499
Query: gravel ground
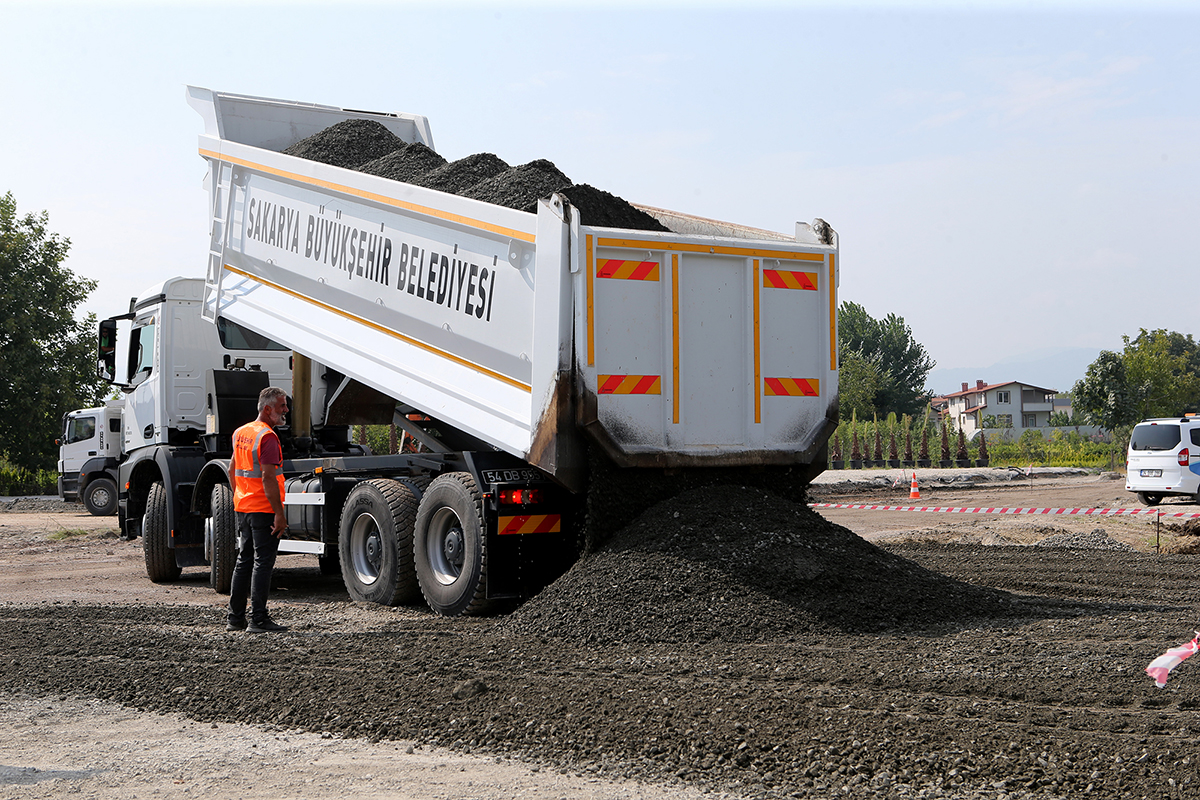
966	671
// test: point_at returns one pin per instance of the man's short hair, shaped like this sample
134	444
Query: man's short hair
269	395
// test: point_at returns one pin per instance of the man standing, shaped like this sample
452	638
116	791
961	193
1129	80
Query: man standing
254	474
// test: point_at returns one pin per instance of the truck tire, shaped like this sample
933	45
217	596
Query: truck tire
1149	498
449	546
160	559
375	543
223	524
100	497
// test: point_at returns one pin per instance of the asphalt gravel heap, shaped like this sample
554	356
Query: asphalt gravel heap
368	146
405	163
350	144
739	564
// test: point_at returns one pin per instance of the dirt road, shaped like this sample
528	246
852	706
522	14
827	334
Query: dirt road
923	669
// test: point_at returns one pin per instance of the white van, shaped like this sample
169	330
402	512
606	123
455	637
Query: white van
1164	459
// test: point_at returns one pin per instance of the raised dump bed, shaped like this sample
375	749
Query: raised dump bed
708	345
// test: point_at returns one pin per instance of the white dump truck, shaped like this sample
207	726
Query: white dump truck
89	452
521	348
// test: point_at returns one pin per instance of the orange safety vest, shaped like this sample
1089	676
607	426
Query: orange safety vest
249	496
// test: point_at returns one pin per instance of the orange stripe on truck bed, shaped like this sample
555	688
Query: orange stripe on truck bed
629	384
787	279
530	523
792	387
627	270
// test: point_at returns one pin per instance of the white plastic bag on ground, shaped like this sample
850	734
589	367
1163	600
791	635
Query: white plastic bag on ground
1161	667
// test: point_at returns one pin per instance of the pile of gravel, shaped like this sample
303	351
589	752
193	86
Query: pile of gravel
350	144
520	187
459	176
368	146
1095	539
598	207
49	504
738	564
405	164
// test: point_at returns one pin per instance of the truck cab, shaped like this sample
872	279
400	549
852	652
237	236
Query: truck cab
88	454
161	356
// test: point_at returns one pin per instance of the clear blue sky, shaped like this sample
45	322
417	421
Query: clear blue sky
1004	177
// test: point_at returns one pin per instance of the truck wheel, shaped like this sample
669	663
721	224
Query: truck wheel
160	559
1149	498
223	529
375	543
100	497
449	546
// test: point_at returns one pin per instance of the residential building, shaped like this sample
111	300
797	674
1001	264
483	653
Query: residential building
1014	406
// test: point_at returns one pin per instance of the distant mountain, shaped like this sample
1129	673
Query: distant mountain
1050	368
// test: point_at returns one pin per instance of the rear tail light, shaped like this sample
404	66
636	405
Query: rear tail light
1183	457
520	497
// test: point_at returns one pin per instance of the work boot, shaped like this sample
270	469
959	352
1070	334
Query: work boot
265	625
235	623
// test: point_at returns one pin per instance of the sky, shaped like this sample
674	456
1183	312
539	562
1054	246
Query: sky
1007	177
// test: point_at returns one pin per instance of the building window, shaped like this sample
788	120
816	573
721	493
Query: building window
1030	421
1003	398
1004	420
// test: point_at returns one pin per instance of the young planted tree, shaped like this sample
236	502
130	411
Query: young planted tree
908	443
983	453
835	444
923	454
945	440
877	453
961	454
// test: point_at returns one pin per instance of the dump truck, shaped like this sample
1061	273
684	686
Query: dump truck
89	452
524	349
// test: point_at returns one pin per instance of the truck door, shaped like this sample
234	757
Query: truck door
141	421
81	441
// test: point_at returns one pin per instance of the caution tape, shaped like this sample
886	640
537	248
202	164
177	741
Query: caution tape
1049	512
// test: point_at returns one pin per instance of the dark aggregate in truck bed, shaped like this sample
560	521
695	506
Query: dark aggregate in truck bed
520	187
350	144
405	164
603	209
367	146
459	176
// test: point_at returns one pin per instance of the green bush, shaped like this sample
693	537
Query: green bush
15	481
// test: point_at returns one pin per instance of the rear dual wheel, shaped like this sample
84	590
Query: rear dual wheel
449	546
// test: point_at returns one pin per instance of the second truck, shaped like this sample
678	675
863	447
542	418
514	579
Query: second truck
528	352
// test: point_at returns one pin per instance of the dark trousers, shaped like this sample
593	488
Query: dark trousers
257	549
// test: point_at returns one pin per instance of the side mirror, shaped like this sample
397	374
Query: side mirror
106	365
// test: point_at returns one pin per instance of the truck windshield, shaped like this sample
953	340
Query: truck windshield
1154	437
80	429
235	337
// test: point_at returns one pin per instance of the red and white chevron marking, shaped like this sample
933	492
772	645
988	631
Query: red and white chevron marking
1049	512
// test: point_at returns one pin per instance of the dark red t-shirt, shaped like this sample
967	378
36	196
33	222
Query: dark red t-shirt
269	451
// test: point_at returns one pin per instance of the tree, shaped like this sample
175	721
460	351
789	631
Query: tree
1103	395
47	357
902	362
1157	374
859	380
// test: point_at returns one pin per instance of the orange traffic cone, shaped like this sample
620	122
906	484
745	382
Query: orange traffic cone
914	494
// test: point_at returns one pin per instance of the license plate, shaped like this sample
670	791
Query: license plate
1152	473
